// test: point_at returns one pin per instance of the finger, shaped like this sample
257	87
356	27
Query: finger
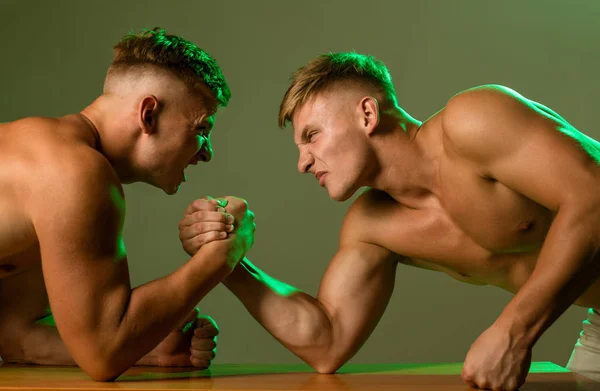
179	360
467	377
205	215
221	201
203	228
201	217
203	344
200	364
208	215
204	203
206	355
206	331
206	320
193	244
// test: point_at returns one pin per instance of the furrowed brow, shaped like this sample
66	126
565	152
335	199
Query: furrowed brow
307	128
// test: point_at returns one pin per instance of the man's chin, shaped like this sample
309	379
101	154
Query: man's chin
341	196
338	196
171	190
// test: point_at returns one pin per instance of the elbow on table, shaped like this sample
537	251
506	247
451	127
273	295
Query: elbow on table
101	370
326	369
101	365
326	365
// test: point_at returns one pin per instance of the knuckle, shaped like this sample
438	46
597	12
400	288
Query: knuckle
200	363
467	376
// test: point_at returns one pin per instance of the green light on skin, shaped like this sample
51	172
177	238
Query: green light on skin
279	287
47	320
119	202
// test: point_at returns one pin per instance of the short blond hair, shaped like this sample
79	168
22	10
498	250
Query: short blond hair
329	70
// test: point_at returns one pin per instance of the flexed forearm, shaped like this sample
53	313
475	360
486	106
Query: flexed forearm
328	330
156	308
294	318
568	263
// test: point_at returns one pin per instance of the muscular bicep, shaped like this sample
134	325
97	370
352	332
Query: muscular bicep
354	292
78	221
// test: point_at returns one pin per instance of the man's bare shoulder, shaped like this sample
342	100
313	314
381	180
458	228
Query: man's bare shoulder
70	172
77	207
472	107
48	159
485	121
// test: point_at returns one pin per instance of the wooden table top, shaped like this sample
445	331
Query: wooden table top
399	377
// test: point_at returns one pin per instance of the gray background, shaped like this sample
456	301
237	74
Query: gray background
55	54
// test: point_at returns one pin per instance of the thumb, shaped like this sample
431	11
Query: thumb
190	321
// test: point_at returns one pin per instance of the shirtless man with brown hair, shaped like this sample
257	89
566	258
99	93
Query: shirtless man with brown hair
492	189
63	208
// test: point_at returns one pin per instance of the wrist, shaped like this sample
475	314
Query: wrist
149	360
519	332
236	278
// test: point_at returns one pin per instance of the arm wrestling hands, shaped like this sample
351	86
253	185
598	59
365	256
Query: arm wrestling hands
211	219
325	331
207	220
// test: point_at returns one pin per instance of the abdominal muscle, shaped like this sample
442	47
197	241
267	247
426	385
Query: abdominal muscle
510	272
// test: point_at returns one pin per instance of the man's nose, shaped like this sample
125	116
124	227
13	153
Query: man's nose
206	152
305	162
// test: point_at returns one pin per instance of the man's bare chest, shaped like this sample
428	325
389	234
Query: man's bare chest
18	240
493	215
472	243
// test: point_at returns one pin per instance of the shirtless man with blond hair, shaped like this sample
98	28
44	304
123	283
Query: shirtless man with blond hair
63	208
492	189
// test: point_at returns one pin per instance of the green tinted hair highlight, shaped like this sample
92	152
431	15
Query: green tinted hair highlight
184	59
330	70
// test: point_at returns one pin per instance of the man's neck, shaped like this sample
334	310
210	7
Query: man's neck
106	121
408	156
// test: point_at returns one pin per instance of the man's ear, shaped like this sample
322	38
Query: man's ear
148	113
369	113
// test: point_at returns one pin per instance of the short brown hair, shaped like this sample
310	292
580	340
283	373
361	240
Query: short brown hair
328	70
181	57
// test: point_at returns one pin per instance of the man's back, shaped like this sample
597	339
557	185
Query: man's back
27	147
